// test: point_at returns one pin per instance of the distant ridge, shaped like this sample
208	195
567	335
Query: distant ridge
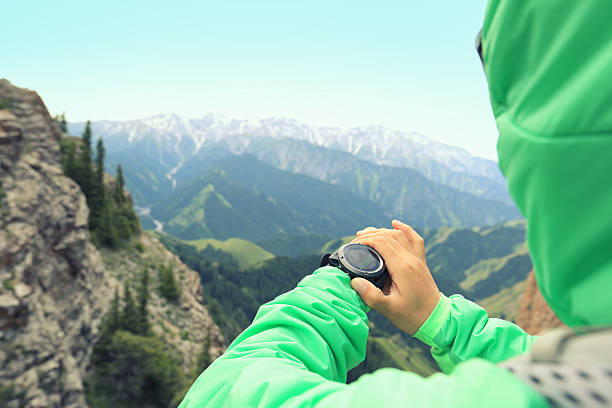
183	137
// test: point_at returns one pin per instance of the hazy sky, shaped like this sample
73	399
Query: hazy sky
406	65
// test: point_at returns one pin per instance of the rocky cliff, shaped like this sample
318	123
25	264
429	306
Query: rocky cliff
535	316
56	286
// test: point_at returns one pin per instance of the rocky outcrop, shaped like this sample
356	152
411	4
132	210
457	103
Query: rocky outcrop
50	299
183	324
535	316
55	286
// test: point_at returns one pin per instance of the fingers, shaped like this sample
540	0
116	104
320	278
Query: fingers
370	294
415	239
384	240
370	231
406	229
366	230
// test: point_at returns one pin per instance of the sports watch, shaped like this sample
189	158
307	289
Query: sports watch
358	261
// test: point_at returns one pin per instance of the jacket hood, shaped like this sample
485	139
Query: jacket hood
549	67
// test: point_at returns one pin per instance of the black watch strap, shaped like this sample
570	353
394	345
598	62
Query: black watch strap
329	259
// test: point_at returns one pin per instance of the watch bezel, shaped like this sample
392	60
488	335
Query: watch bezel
359	272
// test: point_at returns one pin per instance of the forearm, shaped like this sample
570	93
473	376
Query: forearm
459	329
300	345
316	332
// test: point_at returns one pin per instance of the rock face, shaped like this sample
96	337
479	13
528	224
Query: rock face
55	285
535	316
50	302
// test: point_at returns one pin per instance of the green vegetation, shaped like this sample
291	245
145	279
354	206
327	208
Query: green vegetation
61	121
137	371
393	351
480	261
8	284
245	253
8	392
332	245
394	191
6	103
506	303
244	198
295	245
112	220
168	287
131	366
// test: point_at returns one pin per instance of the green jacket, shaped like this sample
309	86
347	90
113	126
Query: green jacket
548	64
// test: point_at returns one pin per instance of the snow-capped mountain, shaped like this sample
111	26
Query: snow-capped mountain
377	144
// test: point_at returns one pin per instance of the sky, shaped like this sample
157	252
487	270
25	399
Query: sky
406	65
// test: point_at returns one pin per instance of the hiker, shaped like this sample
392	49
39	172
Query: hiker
548	64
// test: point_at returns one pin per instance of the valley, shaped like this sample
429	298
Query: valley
228	221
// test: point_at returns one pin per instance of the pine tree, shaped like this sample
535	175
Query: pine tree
143	300
129	315
100	153
68	157
97	197
119	185
167	284
114	311
204	359
112	219
63	124
84	176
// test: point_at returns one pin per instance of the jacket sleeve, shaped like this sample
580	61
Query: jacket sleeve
300	346
458	330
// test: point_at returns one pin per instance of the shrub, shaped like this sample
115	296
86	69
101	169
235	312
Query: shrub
167	283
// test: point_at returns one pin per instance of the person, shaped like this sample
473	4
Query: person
548	64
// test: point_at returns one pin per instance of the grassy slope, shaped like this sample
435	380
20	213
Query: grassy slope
244	252
506	303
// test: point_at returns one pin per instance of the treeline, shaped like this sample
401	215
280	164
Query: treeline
112	220
231	295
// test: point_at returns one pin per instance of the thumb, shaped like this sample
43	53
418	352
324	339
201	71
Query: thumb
370	294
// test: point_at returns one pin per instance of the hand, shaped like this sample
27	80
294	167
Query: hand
412	292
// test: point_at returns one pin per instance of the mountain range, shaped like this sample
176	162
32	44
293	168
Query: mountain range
377	144
366	176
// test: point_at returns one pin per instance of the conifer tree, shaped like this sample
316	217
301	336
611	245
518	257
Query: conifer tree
114	311
63	124
119	185
97	197
68	157
143	300
129	315
84	175
204	359
112	219
167	284
100	153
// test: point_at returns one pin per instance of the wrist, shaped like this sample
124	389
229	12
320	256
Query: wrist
437	318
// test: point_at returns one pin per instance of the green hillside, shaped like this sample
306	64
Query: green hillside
295	245
482	261
245	198
244	252
401	192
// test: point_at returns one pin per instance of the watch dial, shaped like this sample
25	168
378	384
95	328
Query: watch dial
361	257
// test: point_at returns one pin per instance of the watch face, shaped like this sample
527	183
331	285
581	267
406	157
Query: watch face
361	257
